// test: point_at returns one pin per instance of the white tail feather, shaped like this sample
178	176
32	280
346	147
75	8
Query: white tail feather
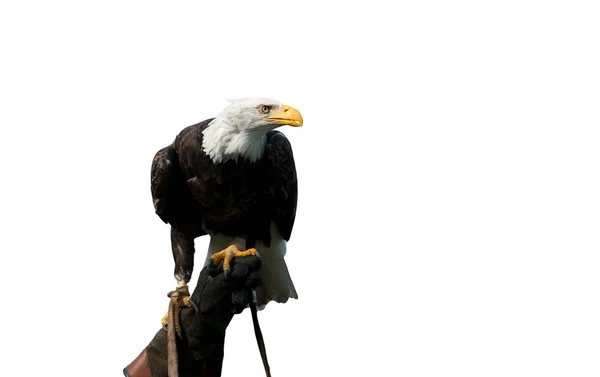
277	282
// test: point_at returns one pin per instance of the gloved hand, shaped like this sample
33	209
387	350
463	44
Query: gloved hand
215	300
213	288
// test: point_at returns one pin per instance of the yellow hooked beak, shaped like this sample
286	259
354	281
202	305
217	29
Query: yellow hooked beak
285	115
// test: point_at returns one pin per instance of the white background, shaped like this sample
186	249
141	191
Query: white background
449	181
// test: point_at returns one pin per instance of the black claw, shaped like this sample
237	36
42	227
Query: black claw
226	273
180	335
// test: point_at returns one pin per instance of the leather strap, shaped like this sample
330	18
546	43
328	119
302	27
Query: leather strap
172	357
258	333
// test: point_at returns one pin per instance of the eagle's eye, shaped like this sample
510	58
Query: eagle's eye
264	109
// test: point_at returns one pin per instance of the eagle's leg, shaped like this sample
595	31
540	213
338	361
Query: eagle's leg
182	245
227	254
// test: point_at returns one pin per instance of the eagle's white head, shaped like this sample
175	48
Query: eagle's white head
240	129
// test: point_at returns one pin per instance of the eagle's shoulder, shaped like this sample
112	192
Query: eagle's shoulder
284	185
191	136
279	149
275	135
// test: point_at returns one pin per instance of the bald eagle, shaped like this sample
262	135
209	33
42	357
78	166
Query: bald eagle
233	178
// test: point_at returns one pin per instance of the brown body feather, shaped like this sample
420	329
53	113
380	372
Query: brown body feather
235	199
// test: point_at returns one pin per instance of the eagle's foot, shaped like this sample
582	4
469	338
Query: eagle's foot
227	255
183	301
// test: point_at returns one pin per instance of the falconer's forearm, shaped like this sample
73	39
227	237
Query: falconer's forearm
200	353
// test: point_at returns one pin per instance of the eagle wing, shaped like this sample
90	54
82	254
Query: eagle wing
284	186
162	173
170	167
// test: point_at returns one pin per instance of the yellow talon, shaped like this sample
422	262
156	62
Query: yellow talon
228	254
183	302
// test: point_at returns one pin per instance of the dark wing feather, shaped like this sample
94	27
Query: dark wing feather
284	187
200	173
170	167
162	174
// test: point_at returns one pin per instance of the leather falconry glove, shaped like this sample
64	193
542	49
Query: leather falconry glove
215	300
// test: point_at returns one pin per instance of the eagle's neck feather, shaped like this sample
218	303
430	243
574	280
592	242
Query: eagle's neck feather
222	142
